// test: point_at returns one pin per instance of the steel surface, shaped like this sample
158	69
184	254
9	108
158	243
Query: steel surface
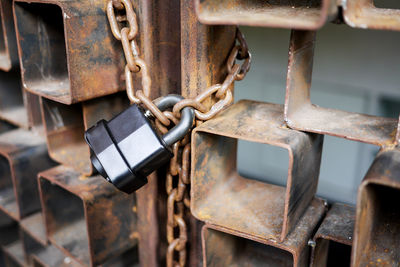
301	114
297	14
22	155
97	222
364	14
220	196
66	49
377	228
8	43
334	238
65	125
159	40
226	247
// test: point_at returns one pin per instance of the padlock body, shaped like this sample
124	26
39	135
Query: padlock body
127	149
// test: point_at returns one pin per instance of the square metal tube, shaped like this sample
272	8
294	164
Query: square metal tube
334	238
227	247
220	196
67	51
377	228
23	155
301	114
8	43
291	14
87	218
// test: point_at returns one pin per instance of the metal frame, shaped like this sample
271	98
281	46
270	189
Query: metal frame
65	125
334	237
73	65
220	196
22	155
104	217
227	247
363	14
301	114
297	14
377	229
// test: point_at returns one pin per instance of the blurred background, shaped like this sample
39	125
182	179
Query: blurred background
354	70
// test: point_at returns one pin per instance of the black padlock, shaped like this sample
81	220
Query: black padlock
126	149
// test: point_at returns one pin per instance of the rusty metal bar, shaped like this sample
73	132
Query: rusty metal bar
204	50
8	43
377	228
364	14
96	223
301	114
65	126
291	14
220	196
66	49
22	155
331	245
16	105
227	247
159	43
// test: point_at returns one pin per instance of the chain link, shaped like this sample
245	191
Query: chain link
177	177
127	35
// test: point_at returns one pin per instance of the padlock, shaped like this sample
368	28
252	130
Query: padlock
126	149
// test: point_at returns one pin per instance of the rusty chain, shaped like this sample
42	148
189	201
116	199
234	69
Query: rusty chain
177	178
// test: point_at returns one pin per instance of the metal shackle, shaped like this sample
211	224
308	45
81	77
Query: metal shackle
185	124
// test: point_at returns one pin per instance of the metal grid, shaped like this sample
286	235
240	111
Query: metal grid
69	58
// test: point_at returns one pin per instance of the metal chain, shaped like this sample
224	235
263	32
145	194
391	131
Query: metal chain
178	203
222	91
177	178
120	12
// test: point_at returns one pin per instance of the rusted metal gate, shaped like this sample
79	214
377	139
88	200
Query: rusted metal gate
62	70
